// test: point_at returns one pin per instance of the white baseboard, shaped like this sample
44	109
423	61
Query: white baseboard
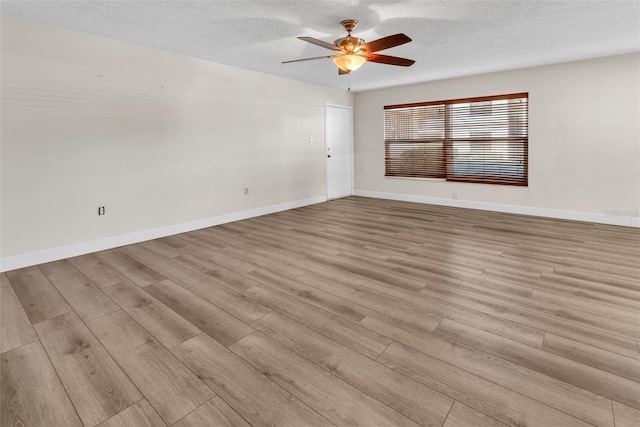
628	221
33	258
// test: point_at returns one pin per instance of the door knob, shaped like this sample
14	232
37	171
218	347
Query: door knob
329	155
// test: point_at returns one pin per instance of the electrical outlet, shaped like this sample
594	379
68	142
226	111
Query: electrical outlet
101	210
455	196
246	191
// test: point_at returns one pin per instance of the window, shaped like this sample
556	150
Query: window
482	140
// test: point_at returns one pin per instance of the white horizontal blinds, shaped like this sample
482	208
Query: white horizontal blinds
481	140
414	141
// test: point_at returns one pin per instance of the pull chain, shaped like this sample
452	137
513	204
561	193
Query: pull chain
348	82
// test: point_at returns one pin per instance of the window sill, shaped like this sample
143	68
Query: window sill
410	178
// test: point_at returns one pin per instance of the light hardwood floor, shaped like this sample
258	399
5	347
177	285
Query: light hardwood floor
352	312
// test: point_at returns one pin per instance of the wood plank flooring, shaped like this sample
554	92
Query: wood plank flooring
352	312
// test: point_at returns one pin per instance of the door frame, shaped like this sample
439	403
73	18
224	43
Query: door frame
326	163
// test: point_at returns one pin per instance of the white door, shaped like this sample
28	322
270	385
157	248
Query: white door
338	151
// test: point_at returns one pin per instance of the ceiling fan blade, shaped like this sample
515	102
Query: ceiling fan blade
306	59
386	42
390	60
318	42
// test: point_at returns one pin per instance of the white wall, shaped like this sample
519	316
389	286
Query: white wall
584	141
156	137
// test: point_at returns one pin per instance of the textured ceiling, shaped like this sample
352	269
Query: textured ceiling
450	38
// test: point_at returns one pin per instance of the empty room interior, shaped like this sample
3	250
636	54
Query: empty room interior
320	213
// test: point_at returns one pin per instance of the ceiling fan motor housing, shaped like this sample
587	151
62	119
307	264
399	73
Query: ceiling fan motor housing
349	44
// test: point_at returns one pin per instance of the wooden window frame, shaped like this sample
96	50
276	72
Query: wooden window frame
500	159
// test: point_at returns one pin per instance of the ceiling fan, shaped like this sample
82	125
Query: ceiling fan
352	52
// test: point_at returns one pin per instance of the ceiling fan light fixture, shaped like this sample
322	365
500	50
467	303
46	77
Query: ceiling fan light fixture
349	62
